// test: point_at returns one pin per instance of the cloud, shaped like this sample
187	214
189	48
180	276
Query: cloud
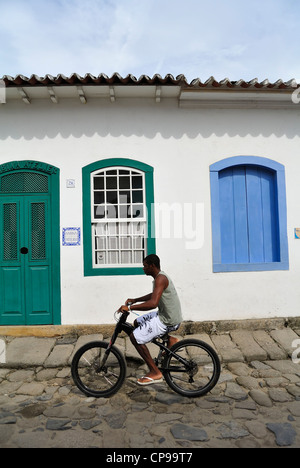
52	36
232	39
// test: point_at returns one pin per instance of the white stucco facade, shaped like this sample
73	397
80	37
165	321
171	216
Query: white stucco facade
180	144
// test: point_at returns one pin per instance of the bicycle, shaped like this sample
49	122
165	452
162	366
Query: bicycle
190	367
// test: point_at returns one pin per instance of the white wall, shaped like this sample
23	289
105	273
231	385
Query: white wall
180	145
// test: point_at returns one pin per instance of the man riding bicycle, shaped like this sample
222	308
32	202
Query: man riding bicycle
156	323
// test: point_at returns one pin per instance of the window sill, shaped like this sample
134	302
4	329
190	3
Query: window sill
118	271
228	267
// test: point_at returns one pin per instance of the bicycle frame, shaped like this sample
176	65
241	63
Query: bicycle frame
122	325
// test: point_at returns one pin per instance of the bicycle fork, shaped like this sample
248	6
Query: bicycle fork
107	352
122	326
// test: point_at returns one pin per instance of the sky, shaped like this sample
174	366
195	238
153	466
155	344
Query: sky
235	39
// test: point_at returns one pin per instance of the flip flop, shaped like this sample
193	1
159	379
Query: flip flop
150	381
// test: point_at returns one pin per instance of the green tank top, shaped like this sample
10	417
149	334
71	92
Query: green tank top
169	308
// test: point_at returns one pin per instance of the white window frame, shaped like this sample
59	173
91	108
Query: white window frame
111	232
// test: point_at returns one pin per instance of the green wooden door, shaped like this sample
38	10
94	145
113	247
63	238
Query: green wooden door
25	265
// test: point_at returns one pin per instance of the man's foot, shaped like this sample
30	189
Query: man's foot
150	379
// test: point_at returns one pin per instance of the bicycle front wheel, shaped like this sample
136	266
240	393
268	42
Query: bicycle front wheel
194	370
92	375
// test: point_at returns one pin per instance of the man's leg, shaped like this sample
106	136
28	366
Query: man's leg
171	341
154	372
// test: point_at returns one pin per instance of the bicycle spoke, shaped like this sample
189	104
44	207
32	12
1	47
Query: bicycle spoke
107	380
197	374
175	377
87	361
114	375
94	380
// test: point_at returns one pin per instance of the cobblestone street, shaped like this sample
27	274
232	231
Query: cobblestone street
255	404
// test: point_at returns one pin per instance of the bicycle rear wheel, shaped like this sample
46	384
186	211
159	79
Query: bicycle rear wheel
196	373
93	377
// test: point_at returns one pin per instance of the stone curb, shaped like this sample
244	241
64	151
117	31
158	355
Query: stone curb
239	345
187	328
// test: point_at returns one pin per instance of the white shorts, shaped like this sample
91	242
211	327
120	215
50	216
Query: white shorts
150	327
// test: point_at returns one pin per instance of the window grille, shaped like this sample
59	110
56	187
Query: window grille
10	234
118	217
38	231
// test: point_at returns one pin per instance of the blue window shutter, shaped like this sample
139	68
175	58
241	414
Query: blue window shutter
233	216
248	215
262	215
255	215
241	241
270	216
227	217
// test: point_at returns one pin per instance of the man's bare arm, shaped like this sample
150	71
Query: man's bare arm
139	299
150	301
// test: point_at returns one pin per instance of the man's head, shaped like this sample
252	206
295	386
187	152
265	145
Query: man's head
151	264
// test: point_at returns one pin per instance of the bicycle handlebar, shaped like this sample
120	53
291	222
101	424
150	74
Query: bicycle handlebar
118	312
129	304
